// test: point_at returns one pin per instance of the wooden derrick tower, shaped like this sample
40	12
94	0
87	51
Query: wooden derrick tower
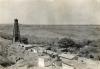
16	32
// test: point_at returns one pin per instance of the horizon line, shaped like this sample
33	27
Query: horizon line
52	24
55	24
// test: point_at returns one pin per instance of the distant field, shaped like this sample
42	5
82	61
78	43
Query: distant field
48	34
53	31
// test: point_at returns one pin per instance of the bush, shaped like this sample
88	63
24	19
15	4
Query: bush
6	36
66	42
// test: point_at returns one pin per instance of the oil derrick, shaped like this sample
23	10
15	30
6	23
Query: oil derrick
16	31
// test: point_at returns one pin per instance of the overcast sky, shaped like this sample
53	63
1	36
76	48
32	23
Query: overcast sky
50	11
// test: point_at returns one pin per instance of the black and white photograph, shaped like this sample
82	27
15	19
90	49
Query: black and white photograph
49	34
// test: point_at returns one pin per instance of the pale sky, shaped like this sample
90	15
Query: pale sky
50	11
